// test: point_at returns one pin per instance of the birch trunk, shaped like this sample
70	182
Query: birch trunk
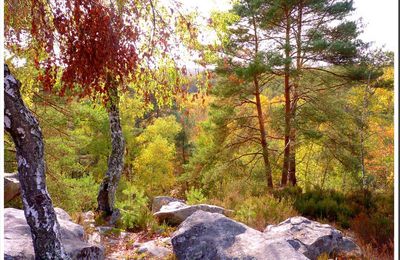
37	204
108	187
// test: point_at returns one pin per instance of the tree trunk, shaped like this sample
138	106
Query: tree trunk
297	78
263	135
37	204
286	154
364	114
108	187
292	157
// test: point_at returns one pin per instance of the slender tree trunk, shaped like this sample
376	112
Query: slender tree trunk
362	132
292	157
297	78
37	204
110	182
286	154
263	135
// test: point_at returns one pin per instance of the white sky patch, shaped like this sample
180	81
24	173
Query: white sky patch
380	18
381	22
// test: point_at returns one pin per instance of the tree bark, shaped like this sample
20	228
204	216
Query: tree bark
286	154
292	157
263	136
108	187
37	204
297	78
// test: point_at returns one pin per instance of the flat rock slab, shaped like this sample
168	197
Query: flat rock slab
205	235
176	212
18	240
154	249
160	201
312	238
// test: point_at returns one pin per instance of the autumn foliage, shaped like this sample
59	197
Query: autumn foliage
92	42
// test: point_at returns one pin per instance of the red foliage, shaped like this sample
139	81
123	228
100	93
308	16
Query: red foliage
90	41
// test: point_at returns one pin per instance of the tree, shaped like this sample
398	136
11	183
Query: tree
248	66
90	49
311	35
27	136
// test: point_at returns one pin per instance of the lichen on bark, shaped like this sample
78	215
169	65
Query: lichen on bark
24	129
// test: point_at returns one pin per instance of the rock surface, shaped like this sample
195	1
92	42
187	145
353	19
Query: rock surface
11	186
206	235
176	212
154	249
160	201
312	238
18	240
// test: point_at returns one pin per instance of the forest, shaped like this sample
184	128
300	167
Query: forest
271	110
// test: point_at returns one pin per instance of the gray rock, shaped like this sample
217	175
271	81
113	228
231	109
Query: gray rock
312	238
11	186
151	248
114	217
160	201
62	214
103	229
18	240
176	212
206	235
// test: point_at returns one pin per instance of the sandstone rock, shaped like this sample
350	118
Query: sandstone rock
206	235
160	201
11	186
312	238
151	248
62	214
176	212
18	240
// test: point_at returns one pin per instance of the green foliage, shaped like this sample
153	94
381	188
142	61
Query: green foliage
262	210
378	216
195	196
134	211
78	194
325	204
154	164
355	210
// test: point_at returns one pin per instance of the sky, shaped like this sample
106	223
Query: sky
380	18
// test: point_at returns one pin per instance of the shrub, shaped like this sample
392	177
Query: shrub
290	192
79	194
195	196
369	215
134	211
260	211
247	212
330	205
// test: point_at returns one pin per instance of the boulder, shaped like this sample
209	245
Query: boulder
18	240
176	212
154	249
11	186
160	201
312	238
205	235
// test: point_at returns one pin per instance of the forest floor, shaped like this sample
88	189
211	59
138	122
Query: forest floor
120	244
